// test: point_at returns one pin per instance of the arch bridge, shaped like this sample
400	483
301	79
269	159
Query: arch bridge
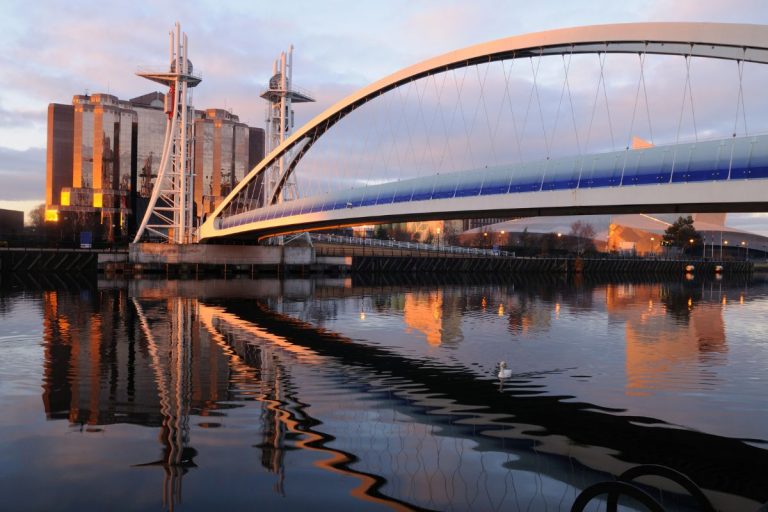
439	170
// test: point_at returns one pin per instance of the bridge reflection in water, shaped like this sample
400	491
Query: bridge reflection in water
403	431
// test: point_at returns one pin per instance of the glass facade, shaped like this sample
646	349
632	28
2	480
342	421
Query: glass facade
223	155
203	164
82	158
58	170
240	157
149	146
123	145
104	155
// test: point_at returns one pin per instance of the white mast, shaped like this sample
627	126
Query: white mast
281	94
169	213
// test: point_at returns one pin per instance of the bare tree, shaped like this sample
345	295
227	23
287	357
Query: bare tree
37	216
582	236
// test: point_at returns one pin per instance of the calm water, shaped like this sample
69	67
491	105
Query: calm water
377	394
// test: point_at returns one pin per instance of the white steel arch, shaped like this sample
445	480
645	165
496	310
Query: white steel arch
738	42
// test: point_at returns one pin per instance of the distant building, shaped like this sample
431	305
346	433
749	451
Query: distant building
104	154
11	224
640	234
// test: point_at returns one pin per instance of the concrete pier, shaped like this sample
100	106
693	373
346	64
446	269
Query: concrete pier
153	257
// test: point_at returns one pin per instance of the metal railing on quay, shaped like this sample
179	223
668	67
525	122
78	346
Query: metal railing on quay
412	246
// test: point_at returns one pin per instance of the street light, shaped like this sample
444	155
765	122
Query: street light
438	239
653	245
746	250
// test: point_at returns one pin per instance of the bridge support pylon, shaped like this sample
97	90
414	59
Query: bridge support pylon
169	215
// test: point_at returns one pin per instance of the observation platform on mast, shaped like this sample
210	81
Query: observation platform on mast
275	92
169	77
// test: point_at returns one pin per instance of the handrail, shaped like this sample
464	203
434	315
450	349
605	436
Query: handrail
664	472
395	244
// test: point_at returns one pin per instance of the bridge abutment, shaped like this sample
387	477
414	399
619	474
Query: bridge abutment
194	258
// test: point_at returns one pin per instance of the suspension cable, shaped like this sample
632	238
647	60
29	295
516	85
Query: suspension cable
559	104
690	95
491	133
475	113
570	99
538	100
594	108
605	96
446	144
645	93
634	108
508	97
682	103
740	99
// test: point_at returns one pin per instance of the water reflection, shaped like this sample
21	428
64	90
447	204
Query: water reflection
667	327
436	316
405	427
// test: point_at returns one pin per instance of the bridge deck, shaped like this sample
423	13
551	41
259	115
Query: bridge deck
622	178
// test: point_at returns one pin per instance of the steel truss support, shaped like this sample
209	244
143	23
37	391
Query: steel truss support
169	215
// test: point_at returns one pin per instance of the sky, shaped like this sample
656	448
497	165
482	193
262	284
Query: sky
52	50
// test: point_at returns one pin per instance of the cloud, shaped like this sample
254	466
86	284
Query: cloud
22	174
14	118
751	222
51	50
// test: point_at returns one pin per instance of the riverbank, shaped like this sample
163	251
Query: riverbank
212	260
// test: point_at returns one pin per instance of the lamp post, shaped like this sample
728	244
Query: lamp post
721	248
485	239
746	250
438	239
653	246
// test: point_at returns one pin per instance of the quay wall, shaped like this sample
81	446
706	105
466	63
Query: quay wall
218	259
607	266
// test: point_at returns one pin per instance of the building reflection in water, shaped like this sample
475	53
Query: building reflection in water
110	359
436	315
169	334
669	330
155	362
158	359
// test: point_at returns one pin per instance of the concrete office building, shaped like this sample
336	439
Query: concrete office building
225	150
104	154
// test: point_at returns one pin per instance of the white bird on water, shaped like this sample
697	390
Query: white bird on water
504	372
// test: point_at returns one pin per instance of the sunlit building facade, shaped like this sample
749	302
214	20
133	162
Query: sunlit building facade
58	169
223	156
150	134
104	155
